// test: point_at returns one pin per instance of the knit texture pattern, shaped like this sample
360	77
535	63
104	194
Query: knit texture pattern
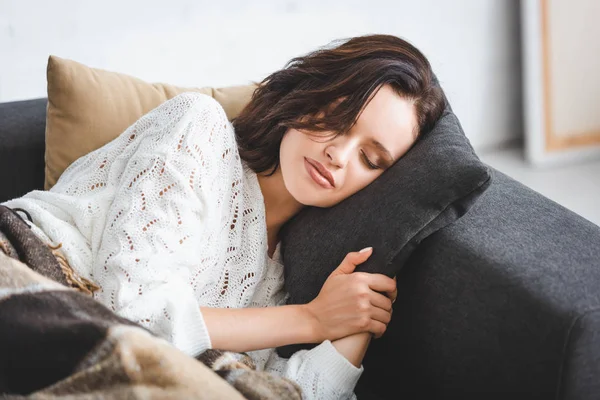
167	218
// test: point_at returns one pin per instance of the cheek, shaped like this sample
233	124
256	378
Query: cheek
357	179
291	144
291	153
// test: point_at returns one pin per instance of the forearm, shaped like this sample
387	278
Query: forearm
248	329
353	347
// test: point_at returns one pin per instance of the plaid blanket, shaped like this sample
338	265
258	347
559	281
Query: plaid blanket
56	341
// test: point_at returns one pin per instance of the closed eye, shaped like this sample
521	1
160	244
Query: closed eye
368	162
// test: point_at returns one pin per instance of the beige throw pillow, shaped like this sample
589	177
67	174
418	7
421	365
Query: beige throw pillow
89	107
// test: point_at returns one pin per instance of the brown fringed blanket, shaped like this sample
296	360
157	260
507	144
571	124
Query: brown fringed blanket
58	342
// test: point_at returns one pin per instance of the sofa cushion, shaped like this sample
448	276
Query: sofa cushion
89	107
432	185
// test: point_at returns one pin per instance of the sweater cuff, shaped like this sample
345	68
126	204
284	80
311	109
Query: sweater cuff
340	372
196	332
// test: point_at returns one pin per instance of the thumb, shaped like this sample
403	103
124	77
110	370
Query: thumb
353	259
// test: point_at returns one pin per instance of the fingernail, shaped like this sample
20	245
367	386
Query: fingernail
365	249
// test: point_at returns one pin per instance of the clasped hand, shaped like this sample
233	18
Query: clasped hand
352	302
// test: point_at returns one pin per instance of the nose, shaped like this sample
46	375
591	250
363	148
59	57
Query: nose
339	152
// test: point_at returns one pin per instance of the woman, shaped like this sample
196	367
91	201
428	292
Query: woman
176	221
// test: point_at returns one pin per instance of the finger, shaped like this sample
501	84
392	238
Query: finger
353	259
380	301
381	283
393	295
380	315
377	328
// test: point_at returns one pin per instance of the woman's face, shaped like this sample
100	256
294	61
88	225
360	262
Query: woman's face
385	130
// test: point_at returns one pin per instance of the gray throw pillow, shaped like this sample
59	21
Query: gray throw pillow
432	185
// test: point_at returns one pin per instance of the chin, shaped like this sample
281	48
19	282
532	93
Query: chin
314	200
307	196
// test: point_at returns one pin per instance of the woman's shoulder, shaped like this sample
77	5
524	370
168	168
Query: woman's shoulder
198	100
202	125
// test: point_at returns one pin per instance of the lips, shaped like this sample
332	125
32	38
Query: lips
319	173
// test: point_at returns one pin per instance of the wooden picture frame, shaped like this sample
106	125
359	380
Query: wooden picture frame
561	77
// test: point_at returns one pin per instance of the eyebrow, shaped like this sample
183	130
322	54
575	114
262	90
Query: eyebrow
382	149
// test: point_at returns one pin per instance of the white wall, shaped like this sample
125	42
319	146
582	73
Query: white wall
473	45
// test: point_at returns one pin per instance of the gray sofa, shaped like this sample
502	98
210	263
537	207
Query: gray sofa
504	303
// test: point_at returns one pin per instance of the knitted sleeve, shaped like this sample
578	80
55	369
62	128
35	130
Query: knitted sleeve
322	372
163	175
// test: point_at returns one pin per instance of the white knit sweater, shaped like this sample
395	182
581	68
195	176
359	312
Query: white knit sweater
167	218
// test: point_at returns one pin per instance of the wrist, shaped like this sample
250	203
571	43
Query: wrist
353	347
310	324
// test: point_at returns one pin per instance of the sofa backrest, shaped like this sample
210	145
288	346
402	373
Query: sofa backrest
22	133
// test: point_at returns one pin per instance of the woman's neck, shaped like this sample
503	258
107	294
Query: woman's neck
280	205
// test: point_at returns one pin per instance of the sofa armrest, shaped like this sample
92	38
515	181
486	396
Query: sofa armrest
502	303
22	146
580	370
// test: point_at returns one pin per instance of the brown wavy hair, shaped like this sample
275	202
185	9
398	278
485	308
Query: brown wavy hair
325	91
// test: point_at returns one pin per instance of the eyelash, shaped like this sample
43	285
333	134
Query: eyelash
369	163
